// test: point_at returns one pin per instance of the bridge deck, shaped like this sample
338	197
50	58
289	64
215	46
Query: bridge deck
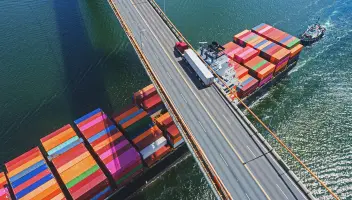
244	165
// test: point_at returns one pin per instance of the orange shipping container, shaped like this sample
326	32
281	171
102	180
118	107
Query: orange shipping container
59	139
38	190
296	50
77	169
135	119
25	166
123	114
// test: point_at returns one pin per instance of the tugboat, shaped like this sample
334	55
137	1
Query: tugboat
313	33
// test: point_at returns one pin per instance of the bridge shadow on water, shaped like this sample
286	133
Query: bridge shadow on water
85	89
83	75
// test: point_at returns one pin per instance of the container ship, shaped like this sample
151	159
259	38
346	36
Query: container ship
249	64
100	156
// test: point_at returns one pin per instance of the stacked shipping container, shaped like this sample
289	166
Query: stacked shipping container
119	157
31	178
4	189
152	145
270	51
166	124
238	53
279	37
261	69
76	167
148	99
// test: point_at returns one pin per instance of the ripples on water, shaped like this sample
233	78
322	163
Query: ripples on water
52	53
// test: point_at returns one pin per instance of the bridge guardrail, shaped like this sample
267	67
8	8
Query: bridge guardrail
293	176
210	172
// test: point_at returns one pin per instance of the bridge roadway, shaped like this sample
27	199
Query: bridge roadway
243	164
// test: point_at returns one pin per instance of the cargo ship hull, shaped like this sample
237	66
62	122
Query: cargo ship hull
261	91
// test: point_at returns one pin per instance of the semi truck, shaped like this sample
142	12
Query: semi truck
202	71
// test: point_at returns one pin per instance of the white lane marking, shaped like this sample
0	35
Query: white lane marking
206	93
211	117
202	126
251	151
294	184
282	191
183	97
224	160
169	75
248	196
227	120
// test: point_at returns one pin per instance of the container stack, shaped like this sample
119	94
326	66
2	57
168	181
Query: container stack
4	187
270	51
238	53
76	167
172	133
260	69
247	85
144	93
240	70
133	122
148	99
152	145
31	178
117	154
281	38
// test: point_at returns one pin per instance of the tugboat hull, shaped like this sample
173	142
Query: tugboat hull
308	42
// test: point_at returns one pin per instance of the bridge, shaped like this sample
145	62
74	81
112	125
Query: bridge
236	160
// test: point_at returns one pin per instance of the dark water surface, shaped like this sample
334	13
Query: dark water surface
60	59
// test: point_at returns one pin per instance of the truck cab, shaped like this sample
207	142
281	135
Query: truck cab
181	47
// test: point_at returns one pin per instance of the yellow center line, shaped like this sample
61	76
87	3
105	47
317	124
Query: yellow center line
211	117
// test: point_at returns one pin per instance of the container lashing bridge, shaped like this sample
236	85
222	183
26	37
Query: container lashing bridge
236	160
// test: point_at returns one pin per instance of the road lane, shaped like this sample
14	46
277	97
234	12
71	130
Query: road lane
181	82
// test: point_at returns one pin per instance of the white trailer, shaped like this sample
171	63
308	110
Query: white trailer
199	67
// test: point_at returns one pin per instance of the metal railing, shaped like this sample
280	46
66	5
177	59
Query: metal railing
180	37
191	141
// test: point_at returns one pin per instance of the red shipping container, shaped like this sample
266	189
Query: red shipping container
55	133
241	72
92	118
230	47
116	154
125	113
116	136
90	189
151	102
173	131
144	93
111	144
273	35
31	181
22	161
168	122
69	155
20	158
54	194
85	181
100	126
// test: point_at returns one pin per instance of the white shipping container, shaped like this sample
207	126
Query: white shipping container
199	67
153	147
